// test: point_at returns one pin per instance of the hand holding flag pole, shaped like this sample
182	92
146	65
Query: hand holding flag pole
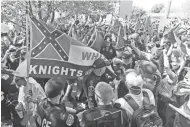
28	113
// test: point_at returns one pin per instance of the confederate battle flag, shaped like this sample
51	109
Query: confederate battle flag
54	53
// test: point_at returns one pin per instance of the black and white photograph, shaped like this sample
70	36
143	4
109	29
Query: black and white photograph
95	63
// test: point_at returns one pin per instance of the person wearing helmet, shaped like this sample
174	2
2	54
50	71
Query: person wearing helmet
50	111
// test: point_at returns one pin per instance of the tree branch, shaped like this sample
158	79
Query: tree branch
12	21
11	9
48	12
30	8
39	11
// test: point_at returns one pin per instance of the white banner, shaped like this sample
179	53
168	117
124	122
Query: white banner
82	55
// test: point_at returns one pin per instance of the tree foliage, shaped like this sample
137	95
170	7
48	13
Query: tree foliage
15	11
157	8
138	13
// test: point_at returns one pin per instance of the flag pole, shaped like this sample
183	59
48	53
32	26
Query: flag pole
28	44
28	61
118	37
168	8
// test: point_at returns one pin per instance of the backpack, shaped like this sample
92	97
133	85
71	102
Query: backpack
110	119
144	116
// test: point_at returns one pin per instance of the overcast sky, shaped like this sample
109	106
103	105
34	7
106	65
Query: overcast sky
147	4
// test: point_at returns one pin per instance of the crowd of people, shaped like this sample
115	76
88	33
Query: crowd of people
150	85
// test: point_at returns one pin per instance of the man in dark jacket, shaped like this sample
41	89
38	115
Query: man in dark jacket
104	96
108	50
50	112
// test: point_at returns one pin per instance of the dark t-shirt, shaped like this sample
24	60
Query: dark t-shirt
52	115
89	116
122	90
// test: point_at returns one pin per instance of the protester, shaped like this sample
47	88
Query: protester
149	73
138	98
103	97
135	70
182	92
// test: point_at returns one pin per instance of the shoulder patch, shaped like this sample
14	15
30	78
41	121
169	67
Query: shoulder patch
38	118
117	105
70	120
62	116
4	76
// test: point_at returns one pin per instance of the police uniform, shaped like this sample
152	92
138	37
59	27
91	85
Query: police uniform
93	79
89	116
54	115
91	83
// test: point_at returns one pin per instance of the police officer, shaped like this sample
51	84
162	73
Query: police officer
99	73
50	112
104	96
108	50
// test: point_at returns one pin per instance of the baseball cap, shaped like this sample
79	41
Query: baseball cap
100	63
